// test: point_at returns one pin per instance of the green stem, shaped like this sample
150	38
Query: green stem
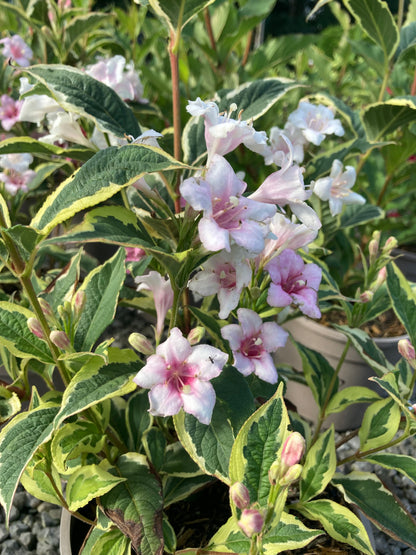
330	390
400	13
176	107
360	455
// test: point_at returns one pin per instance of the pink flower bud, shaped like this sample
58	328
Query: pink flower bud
79	302
251	522
60	339
366	296
380	279
35	327
195	335
293	449
46	309
373	246
139	342
291	475
389	245
239	495
406	349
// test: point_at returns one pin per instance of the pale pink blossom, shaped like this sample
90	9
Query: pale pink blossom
252	341
223	133
179	375
63	127
118	75
294	282
287	235
285	144
251	522
337	188
315	122
134	254
292	450
225	275
35	106
16	175
162	295
286	187
15	48
9	111
228	216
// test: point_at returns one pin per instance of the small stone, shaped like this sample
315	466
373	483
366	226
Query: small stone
409	551
20	500
47	520
32	502
28	540
14	514
45	506
29	520
17	528
11	547
4	533
50	536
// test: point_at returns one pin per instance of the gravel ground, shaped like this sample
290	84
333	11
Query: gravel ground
34	525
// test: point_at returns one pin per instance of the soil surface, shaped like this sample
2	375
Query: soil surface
385	325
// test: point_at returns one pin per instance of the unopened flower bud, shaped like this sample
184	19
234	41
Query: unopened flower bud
292	451
366	296
60	339
35	327
389	245
407	350
373	246
46	309
251	522
195	335
79	303
291	475
275	472
380	279
239	495
139	342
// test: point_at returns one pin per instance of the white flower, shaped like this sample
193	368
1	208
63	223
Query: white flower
336	188
315	122
36	106
64	127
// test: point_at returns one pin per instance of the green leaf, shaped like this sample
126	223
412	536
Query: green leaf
107	224
320	465
83	25
318	372
135	505
355	215
339	522
177	13
378	504
101	287
390	383
64	286
25	239
375	18
110	542
96	382
254	98
87	483
257	445
382	118
178	462
35	479
290	533
19	440
9	404
176	488
403	299
74	439
16	336
367	349
401	463
407	39
33	146
349	396
380	424
75	91
101	177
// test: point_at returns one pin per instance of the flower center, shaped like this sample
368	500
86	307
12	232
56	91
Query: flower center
252	347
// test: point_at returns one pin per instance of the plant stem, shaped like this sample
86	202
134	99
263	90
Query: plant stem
247	49
360	455
176	107
211	37
330	389
400	12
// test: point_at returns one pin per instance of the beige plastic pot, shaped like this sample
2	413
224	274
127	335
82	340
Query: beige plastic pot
354	371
